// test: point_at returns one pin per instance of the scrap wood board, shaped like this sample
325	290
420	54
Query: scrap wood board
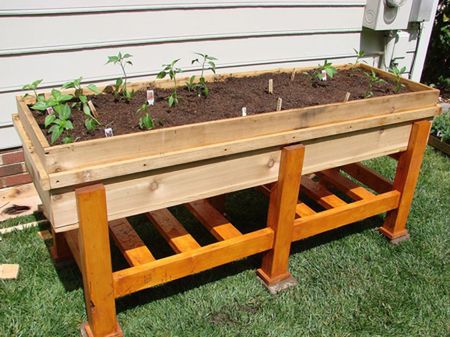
18	200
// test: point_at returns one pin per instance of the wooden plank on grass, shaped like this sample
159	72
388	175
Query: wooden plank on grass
213	220
172	230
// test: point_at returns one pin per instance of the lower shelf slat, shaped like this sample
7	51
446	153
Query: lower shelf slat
320	194
368	177
345	185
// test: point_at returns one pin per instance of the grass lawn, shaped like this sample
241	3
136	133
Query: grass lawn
352	282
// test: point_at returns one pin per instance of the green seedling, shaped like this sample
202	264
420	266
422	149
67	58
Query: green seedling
207	63
171	71
59	121
33	86
91	122
190	84
398	72
441	127
327	67
120	86
145	121
359	55
373	80
56	98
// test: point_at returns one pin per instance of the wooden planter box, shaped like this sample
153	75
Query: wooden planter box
152	170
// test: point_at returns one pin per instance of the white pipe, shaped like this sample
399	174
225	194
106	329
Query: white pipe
391	39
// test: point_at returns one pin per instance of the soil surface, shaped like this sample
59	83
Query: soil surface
225	100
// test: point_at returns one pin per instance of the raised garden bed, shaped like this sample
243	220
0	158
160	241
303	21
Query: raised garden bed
440	133
151	170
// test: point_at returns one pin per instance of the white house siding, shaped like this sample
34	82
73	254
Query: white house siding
62	40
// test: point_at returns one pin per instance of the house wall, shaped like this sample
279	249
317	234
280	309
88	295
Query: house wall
61	40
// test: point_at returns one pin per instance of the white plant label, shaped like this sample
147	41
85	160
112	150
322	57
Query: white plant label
92	108
324	75
109	132
50	110
150	97
244	111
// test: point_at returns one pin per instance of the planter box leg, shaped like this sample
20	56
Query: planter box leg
96	263
218	202
283	201
408	167
60	251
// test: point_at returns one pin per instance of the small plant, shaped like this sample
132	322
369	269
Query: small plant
59	121
207	63
145	121
359	55
171	71
327	67
91	122
56	98
120	86
33	86
190	84
398	72
373	80
441	127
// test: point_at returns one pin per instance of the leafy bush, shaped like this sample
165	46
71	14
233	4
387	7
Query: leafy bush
441	127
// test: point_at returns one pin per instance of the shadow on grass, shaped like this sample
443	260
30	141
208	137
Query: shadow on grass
247	210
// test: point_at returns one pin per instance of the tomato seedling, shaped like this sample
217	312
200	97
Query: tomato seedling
120	89
145	121
207	63
59	121
33	86
373	80
171	70
398	72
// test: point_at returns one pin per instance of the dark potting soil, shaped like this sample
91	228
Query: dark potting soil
225	100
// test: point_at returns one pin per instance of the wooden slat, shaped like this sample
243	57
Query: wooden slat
132	279
303	210
345	185
337	217
319	193
73	243
172	231
213	220
129	242
127	163
185	183
368	177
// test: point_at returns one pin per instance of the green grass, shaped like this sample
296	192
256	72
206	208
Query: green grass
352	282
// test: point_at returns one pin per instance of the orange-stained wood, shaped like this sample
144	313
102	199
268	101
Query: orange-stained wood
73	243
340	216
130	244
405	180
303	210
318	192
213	220
345	185
132	279
281	214
96	261
172	231
59	251
368	177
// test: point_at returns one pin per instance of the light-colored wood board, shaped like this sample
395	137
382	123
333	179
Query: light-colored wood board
114	168
368	177
213	220
172	230
181	184
129	243
23	195
174	267
344	184
9	271
319	193
343	215
22	227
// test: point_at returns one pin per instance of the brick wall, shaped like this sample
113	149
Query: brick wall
12	168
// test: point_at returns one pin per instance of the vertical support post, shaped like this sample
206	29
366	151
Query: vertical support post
96	263
408	167
283	201
60	250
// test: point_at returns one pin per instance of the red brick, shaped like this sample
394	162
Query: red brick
12	157
14	180
9	170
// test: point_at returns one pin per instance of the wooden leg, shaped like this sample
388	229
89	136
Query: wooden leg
96	263
60	250
409	162
218	202
283	201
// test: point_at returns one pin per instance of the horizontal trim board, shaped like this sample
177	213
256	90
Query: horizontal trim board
89	9
171	39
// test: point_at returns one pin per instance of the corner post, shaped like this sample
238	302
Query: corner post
283	201
96	263
407	173
60	251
